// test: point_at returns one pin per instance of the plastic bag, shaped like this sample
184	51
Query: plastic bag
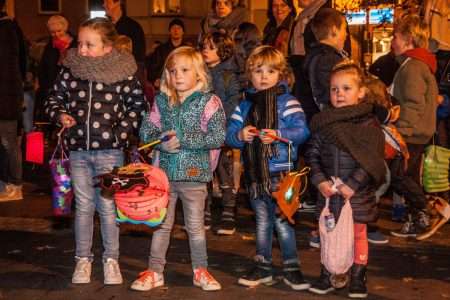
62	192
337	245
435	169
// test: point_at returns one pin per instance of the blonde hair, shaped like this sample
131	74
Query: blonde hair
414	28
376	92
268	55
124	43
58	20
351	67
200	68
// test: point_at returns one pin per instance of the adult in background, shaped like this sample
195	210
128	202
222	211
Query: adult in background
158	57
54	52
225	16
11	94
416	90
281	14
129	27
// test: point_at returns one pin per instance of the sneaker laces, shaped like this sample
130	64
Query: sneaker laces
203	272
82	266
144	276
112	266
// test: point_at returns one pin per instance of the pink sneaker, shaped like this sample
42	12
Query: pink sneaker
203	279
147	280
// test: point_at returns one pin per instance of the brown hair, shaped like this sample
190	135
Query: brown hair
414	28
268	55
104	27
323	22
222	41
124	43
234	4
376	92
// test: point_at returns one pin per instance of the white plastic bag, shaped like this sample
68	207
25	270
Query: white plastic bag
337	246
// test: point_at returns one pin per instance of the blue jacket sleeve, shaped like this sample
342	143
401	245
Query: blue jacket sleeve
235	124
296	129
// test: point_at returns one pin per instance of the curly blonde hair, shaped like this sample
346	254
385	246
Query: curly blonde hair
268	55
195	58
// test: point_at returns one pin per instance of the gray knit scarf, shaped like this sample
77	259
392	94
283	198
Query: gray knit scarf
108	69
229	23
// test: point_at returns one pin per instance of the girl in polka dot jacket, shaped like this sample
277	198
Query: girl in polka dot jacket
195	121
97	98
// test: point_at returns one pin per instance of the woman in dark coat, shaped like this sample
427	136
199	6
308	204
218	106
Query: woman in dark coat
281	14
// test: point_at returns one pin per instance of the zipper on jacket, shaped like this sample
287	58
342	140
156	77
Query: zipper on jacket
88	119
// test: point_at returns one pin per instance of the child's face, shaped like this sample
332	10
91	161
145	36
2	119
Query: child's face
183	76
90	43
345	90
264	77
210	53
400	43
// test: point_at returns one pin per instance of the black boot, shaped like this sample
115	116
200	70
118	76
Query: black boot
293	277
323	285
227	224
357	288
261	273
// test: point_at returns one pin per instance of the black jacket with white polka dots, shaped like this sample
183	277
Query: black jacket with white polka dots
105	114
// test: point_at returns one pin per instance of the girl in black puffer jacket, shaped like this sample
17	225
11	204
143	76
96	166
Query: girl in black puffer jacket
97	98
348	143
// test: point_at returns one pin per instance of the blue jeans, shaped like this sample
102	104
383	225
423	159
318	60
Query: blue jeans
84	165
266	221
192	196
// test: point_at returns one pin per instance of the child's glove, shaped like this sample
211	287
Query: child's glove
172	145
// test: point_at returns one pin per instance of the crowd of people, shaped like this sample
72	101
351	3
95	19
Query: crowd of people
224	106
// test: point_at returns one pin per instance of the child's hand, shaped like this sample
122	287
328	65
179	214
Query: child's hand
173	144
345	191
265	138
326	189
247	134
67	121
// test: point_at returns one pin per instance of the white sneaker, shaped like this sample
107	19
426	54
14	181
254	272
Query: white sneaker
111	272
206	281
147	280
12	192
82	273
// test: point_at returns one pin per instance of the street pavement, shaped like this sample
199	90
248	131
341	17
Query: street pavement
36	260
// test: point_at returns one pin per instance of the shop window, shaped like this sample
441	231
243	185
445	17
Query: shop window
166	7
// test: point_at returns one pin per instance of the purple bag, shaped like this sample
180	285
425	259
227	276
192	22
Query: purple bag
62	193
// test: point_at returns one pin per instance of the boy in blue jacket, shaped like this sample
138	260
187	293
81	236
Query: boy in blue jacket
267	112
